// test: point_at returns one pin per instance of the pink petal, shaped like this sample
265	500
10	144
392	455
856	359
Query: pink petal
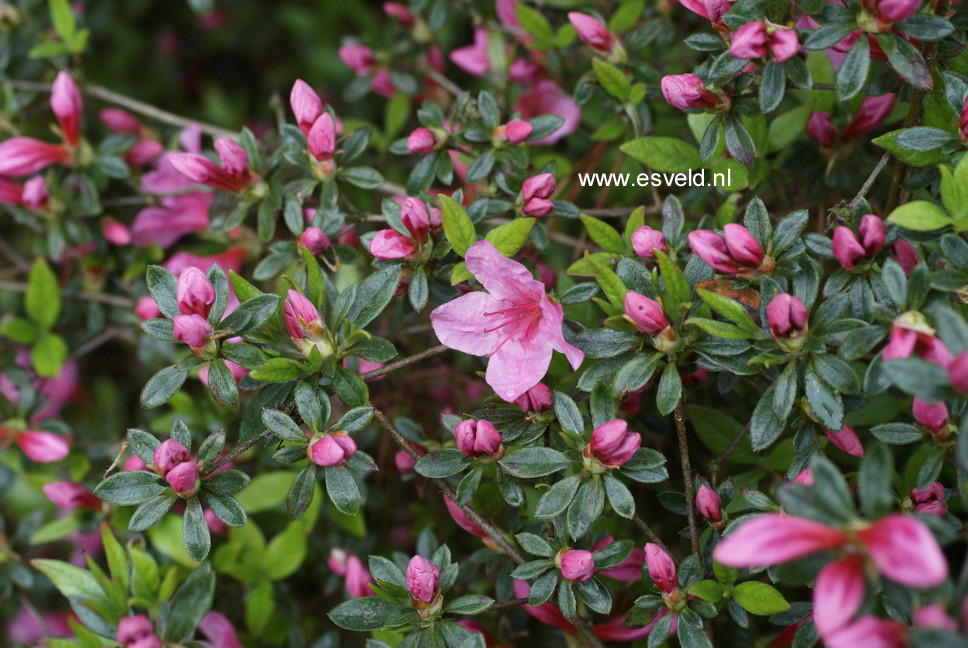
869	632
838	593
501	276
905	551
460	324
772	538
552	316
518	366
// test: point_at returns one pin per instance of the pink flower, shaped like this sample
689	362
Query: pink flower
475	438
838	593
404	462
115	232
356	575
893	11
219	631
314	240
133	628
35	193
546	612
70	496
662	569
804	478
535	194
933	615
305	103
905	551
120	121
322	137
592	32
169	454
515	131
301	317
645	313
332	450
547	98
684	91
193	330
238	372
906	255
849	251
786	315
146	308
846	439
42	446
233	175
421	141
783	44
462	520
65	101
577	565
933	416
749	41
958	372
358	58
234	158
771	538
929	501
473	59
870	632
391	244
709	504
612	443
183	478
646	240
711	10
400	12
909	335
194	292
513	323
963	122
734	252
422	579
416	218
175	216
26	155
536	399
873	110
822	129
11	193
143	152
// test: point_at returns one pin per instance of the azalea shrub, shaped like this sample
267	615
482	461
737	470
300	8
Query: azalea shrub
468	324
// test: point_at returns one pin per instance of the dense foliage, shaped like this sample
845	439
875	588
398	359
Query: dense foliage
548	323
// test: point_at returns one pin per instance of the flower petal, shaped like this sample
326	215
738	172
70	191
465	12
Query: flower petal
460	324
501	276
772	538
552	316
518	365
838	593
905	551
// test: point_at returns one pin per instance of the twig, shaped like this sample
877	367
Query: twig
102	338
507	604
872	177
442	81
649	532
606	212
680	418
715	463
115	300
393	366
234	452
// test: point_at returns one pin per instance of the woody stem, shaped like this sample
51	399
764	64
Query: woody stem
680	418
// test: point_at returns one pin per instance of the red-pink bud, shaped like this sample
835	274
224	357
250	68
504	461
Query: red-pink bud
786	316
391	244
872	234
846	439
193	330
933	615
711	248
963	123
804	478
613	444
537	207
404	462
743	248
11	193
194	292
929	501
146	308
536	399
115	232
662	569
958	373
905	254
577	565
538	186
70	496
933	416
42	446
414	214
306	105
476	438
517	131
685	91
183	478
783	44
65	101
592	32
322	137
200	169
235	160
821	128
646	240
847	249
301	317
894	11
214	524
332	450
132	628
873	110
143	152
421	141
709	504
26	155
645	313
423	578
462	520
749	41
358	58
170	454
315	240
120	121
400	12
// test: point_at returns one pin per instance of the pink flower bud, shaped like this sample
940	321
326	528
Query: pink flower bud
322	137
613	444
873	111
929	501
421	141
592	32
132	628
517	131
306	104
42	446
301	317
391	244
120	121
146	308
537	207
11	193
933	416
645	313
35	193
906	255
170	454
894	11
749	41
538	186
315	240
200	169
933	615
577	565
475	438
193	330
709	504
872	234
743	248
70	496
404	462
462	520
357	577
413	213
215	525
114	232
662	569
822	129
685	91
183	478
194	292
805	478
958	373
143	152
646	240
846	439
25	155
711	248
358	58
536	399
963	122
423	578
235	160
400	12
332	450
786	316
65	101
783	45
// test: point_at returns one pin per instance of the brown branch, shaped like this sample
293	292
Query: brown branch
102	338
680	417
872	177
104	298
715	463
234	452
393	366
649	532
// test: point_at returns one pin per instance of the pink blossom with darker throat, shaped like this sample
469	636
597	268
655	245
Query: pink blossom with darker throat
391	244
512	322
514	132
461	519
355	574
314	240
194	293
933	416
120	121
306	104
422	141
219	631
193	330
115	232
183	478
21	156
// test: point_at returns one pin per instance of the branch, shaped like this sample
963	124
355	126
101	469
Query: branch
649	532
104	298
234	452
393	366
680	418
872	177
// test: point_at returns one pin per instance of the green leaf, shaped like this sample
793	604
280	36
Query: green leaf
731	309
374	294
441	463
458	227
874	481
301	492
342	490
42	300
905	59
161	285
469	604
280	424
308	406
130	487
670	389
195	532
896	433
585	508
276	370
362	614
151	511
534	545
853	71
919	216
73	582
759	598
620	497
226	508
63	18
222	385
190	603
677	289
665	154
738	140
534	462
557	498
825	403
603	234
772	86
612	286
569	416
162	386
48	355
595	595
612	79
362	177
510	237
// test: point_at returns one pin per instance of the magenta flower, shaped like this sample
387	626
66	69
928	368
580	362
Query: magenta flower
869	631
356	57
846	439
592	32
174	217
183	478
65	101
70	496
577	565
115	232
963	122
473	59
133	628
301	317
873	111
476	438
838	593
933	416
709	504
684	91
218	630
193	330
905	551
821	128
355	574
645	313
400	12
143	152
850	251
711	10
322	137
755	40
120	121
422	141
233	175
169	454
646	240
42	446
514	132
26	155
535	194
423	578
332	449
786	316
662	569
306	104
391	244
146	308
194	292
416	218
892	11
910	334
612	443
314	240
958	373
536	399
929	501
513	322
546	98
736	251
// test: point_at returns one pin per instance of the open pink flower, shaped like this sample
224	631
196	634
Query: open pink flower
838	593
546	98
25	155
771	539
905	551
473	59
513	323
